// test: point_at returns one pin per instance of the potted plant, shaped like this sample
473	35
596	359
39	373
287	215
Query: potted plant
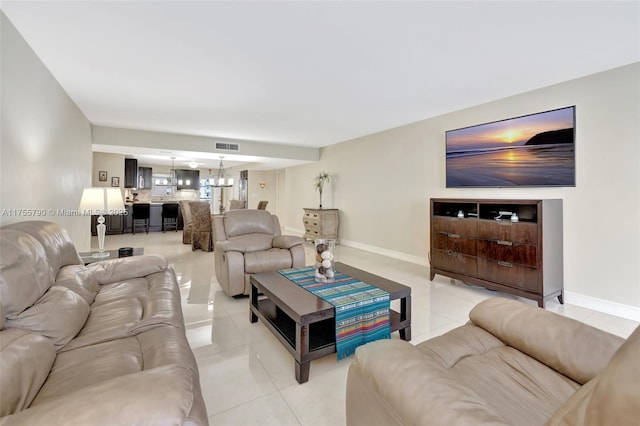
318	183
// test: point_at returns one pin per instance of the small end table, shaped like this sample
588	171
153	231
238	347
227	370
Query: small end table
87	256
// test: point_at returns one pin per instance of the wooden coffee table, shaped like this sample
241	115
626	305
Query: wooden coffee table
305	323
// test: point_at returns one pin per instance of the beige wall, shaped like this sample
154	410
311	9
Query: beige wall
255	194
113	164
382	184
46	142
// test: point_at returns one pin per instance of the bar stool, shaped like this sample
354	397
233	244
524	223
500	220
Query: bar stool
140	211
170	215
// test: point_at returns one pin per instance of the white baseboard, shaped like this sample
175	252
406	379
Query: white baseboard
604	306
371	249
419	260
577	299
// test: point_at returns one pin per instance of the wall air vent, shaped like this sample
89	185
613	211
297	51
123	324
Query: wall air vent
225	146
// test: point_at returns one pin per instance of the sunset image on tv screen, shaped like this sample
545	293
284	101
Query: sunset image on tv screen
533	150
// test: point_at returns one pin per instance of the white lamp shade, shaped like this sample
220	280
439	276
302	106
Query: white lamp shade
102	201
230	181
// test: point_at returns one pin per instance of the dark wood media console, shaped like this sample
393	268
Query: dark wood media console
479	242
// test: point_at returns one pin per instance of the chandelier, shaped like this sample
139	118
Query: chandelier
220	181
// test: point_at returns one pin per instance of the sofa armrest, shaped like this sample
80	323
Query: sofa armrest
391	382
287	241
160	396
570	347
124	268
225	246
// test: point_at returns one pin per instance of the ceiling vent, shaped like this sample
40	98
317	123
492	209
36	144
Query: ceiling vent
225	146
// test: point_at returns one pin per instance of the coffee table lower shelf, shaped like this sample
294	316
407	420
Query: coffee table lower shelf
321	333
305	342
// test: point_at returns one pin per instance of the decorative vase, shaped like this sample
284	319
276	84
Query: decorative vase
325	260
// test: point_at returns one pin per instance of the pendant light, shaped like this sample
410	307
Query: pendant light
220	181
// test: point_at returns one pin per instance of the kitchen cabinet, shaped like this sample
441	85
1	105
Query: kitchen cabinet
128	218
190	176
155	218
513	246
130	173
114	224
145	177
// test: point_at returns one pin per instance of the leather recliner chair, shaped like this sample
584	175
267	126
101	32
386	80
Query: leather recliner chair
249	242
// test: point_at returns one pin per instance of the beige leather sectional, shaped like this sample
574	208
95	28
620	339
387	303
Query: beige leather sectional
512	364
87	345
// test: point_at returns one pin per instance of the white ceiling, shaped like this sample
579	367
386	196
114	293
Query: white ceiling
314	73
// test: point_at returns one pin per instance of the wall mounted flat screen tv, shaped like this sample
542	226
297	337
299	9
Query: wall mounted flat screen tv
532	150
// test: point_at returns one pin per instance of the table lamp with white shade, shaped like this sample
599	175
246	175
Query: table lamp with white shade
101	201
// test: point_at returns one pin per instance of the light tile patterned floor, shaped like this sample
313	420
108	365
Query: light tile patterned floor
247	377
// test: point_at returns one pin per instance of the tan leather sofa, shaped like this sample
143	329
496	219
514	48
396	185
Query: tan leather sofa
512	364
89	345
248	242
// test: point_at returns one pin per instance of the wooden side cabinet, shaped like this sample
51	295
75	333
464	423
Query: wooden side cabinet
320	223
514	246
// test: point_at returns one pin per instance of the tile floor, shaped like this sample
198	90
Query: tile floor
247	377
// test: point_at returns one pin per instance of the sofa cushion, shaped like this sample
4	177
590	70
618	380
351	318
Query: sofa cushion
265	261
131	287
239	222
129	316
160	396
287	241
56	242
80	280
610	398
248	243
465	376
112	270
579	351
417	388
90	365
25	273
58	315
25	361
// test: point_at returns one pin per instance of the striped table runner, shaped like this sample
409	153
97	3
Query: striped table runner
362	310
